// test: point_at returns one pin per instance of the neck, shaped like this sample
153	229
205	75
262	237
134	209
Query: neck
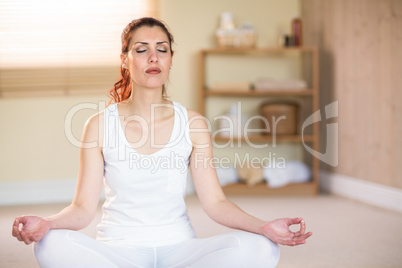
141	103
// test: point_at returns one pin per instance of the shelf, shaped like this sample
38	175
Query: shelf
252	93
267	138
308	188
308	58
257	50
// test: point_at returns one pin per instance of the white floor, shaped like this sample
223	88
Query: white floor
346	233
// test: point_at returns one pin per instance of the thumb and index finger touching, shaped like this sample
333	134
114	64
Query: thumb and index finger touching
16	225
302	223
20	220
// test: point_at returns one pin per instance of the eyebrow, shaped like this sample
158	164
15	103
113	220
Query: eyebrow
145	43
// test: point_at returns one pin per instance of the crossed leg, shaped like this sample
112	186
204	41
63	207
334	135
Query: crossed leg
66	248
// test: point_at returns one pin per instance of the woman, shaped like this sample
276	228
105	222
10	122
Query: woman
144	221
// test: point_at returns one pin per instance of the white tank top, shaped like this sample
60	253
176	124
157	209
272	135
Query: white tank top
145	193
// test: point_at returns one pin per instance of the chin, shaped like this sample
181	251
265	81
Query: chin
154	85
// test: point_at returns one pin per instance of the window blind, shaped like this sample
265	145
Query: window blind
63	46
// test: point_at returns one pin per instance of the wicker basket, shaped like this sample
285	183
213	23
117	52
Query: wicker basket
284	126
226	41
236	39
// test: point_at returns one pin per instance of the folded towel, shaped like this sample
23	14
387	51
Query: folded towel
271	84
231	86
295	172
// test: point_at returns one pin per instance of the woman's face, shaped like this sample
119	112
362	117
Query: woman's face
149	57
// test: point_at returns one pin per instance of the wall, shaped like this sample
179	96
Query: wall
361	66
35	143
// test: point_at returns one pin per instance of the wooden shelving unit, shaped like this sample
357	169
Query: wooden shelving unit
304	92
262	189
267	138
308	188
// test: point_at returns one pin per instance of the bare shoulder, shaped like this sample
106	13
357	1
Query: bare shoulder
93	129
196	120
95	120
199	128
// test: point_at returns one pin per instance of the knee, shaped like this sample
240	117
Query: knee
49	246
265	253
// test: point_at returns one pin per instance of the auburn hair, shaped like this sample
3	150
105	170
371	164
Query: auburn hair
122	88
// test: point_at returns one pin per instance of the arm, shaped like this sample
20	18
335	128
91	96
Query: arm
83	207
214	201
90	174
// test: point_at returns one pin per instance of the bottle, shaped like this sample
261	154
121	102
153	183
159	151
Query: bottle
297	31
226	33
227	22
281	39
247	35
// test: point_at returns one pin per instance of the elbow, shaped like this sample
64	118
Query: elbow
83	223
214	209
84	216
86	219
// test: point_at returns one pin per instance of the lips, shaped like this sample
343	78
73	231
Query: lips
153	70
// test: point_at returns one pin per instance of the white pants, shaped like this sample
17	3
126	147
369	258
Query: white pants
72	249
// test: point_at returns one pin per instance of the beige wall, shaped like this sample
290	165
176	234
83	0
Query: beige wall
33	142
361	66
35	145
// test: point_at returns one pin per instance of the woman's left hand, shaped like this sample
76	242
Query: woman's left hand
278	231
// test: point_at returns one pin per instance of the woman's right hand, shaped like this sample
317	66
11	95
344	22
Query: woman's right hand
33	228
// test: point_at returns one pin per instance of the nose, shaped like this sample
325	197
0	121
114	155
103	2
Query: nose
153	56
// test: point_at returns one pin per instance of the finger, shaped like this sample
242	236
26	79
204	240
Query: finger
22	219
287	242
15	227
289	236
288	239
17	222
294	221
303	237
25	238
307	235
17	233
300	243
302	228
